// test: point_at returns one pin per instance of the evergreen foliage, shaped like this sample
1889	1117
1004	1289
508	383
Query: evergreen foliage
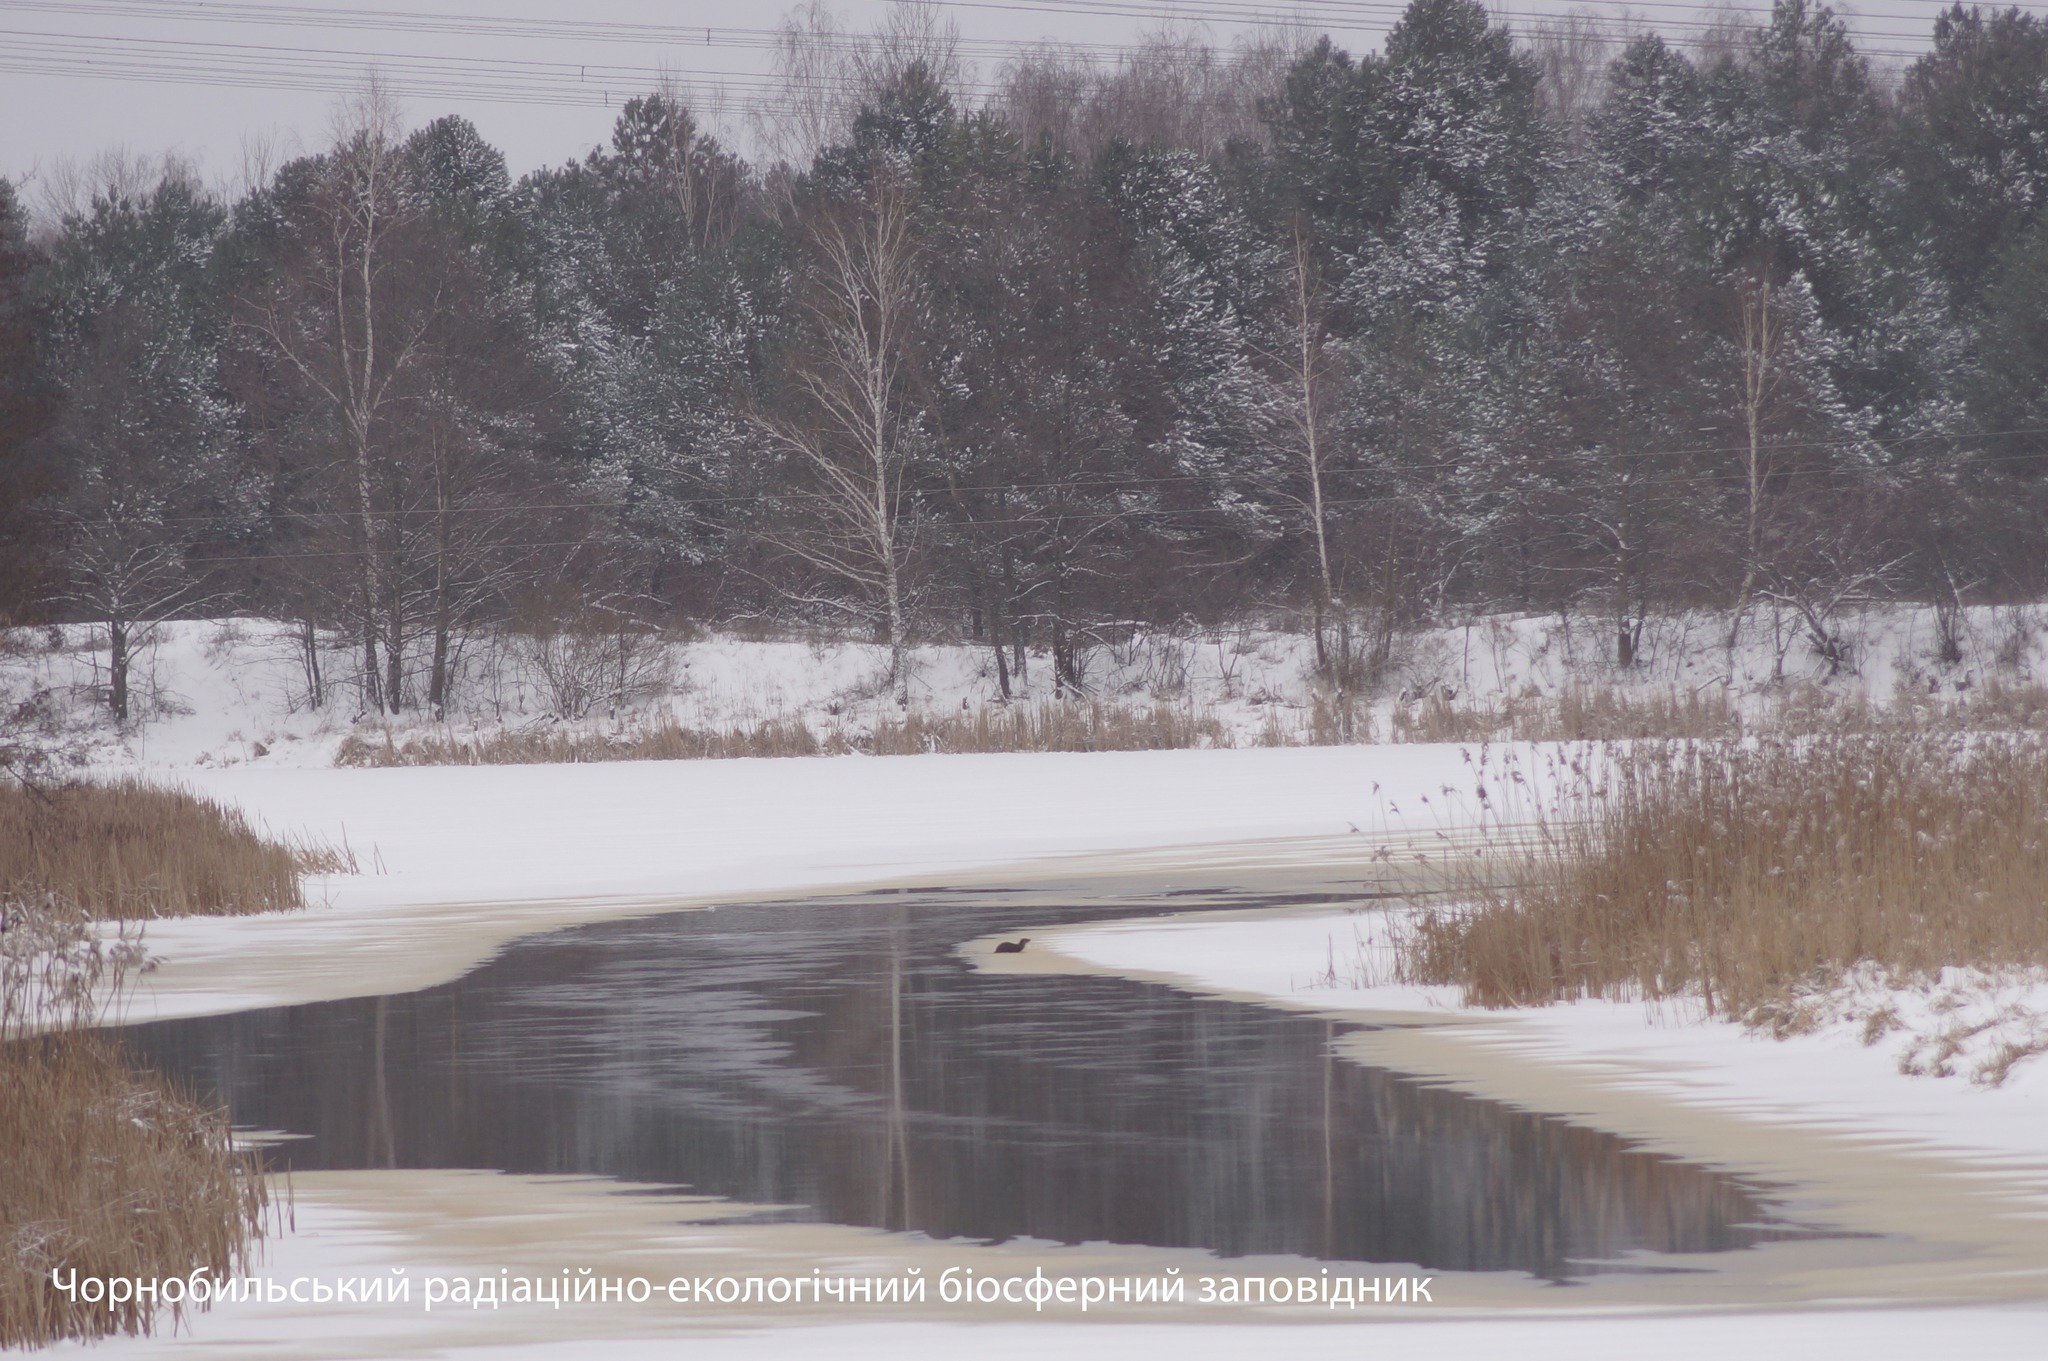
1715	326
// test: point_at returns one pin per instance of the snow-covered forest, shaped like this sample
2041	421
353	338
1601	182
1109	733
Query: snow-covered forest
1578	320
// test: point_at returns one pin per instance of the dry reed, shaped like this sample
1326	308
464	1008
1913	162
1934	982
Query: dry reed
1605	713
1042	727
1740	872
108	1172
133	850
104	1171
1577	713
1052	726
664	741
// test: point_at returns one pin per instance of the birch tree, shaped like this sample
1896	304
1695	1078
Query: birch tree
846	429
1303	371
347	322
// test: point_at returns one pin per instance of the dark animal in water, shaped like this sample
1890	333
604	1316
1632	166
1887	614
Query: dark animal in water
1012	947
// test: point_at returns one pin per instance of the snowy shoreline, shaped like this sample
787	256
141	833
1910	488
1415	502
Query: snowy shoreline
467	859
472	858
461	860
1828	1080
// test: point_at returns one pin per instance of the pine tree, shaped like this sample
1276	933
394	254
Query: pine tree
133	320
27	403
632	260
1976	141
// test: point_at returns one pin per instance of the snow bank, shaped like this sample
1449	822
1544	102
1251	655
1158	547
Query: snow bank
1826	1079
493	833
236	692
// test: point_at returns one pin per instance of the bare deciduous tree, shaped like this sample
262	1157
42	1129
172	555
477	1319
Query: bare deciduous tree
1573	53
1303	371
1174	89
824	73
1762	340
845	429
340	317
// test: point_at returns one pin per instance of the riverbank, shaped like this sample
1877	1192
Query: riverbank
1336	963
459	860
1951	1176
359	1225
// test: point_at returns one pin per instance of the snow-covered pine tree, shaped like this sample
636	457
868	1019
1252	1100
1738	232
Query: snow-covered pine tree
133	319
27	401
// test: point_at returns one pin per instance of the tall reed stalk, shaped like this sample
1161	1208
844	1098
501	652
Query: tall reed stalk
104	1171
1739	871
133	850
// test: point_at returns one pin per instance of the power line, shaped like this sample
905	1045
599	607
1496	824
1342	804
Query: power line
490	26
130	57
1351	15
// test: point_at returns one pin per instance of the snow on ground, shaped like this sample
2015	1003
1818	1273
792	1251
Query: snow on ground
356	1235
226	716
2013	1334
232	692
443	834
435	841
1827	1079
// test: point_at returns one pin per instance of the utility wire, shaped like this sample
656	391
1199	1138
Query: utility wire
130	57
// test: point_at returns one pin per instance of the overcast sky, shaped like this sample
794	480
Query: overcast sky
210	78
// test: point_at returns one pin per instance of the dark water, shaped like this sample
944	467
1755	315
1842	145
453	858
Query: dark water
841	1061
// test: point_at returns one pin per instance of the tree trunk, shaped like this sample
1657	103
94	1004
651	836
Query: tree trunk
309	645
117	666
394	652
899	661
1760	340
1624	632
1322	652
995	643
437	680
373	677
1020	631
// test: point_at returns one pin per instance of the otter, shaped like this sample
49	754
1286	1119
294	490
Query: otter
1012	947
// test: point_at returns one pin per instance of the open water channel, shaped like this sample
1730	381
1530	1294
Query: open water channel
839	1060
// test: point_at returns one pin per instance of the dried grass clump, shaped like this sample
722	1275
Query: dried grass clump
103	1171
1740	872
1043	727
1441	719
1052	726
664	741
1578	713
1603	713
1338	721
109	1172
133	850
2006	705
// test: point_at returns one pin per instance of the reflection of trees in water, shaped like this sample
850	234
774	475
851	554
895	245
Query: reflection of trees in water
840	1059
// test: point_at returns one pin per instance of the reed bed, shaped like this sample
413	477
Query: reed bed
132	850
109	1172
1604	713
1041	727
1743	872
663	741
1578	713
1052	726
104	1171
